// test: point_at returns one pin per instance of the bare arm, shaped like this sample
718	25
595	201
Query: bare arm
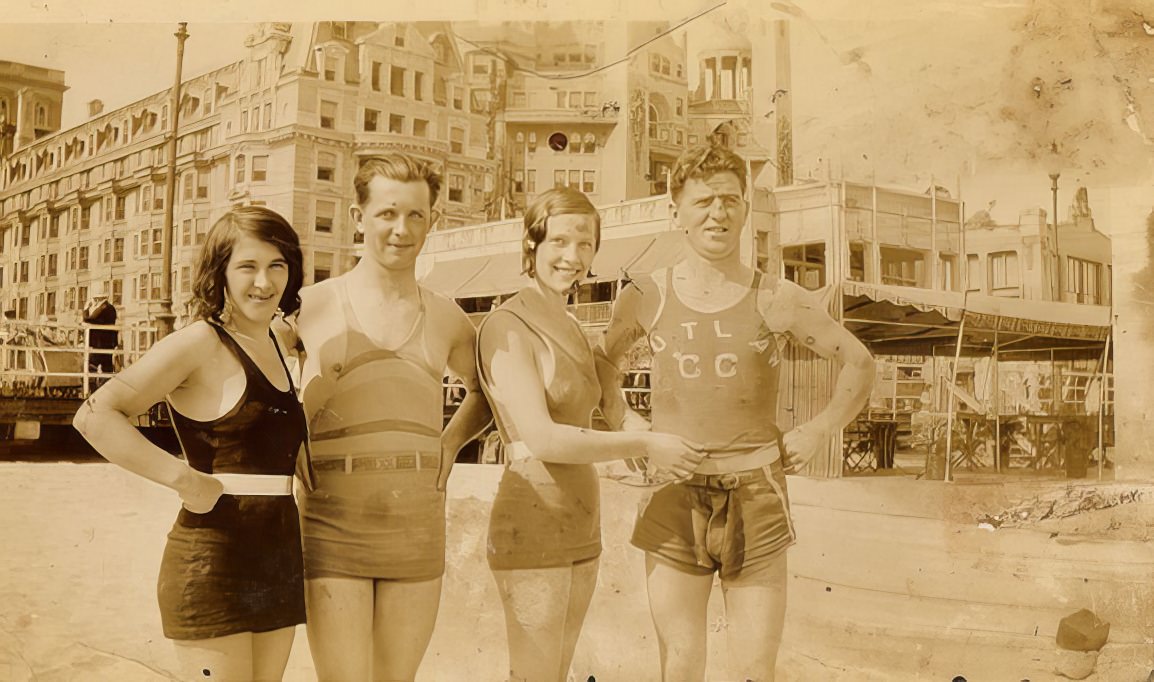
518	391
473	414
620	336
104	419
799	312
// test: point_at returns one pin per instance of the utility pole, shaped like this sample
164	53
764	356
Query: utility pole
165	318
1057	251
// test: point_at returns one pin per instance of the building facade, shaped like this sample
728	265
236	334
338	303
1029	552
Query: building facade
81	210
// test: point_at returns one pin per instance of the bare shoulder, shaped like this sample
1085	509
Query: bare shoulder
447	315
780	300
314	296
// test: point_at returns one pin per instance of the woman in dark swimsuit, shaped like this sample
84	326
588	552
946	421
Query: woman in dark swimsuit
231	586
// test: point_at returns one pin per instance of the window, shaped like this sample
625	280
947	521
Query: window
142	288
118	250
804	265
375	77
947	272
532	141
1003	273
456	188
420	128
457	140
418	86
202	185
396	124
371	116
154	291
340	30
54	226
157	197
328	115
186	279
50	303
399	36
396	81
157	233
41	116
574	179
259	168
519	181
201	230
117	291
267	115
326	166
108	206
574	100
322	266
480	66
240	169
186	233
590	99
244	120
326	211
590	143
589	181
458	99
558	178
903	267
82	258
1083	281
531	181
857	261
187	184
575	142
24	271
52	264
973	273
680	106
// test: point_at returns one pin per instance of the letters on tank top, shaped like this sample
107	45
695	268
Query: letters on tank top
715	375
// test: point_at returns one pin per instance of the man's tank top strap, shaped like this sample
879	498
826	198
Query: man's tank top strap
360	349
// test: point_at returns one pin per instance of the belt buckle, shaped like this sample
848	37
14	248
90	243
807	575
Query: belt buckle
728	481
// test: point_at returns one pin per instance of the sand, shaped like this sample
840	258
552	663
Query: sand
890	580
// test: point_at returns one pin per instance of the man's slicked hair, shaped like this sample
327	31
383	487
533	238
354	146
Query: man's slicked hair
399	167
703	161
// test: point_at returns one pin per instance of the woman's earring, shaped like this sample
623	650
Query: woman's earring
226	312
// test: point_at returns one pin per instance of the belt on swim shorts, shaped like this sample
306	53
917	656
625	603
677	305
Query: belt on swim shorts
732	480
393	461
255	484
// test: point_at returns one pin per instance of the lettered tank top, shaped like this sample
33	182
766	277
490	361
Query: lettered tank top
715	375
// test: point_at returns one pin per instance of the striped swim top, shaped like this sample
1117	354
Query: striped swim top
386	399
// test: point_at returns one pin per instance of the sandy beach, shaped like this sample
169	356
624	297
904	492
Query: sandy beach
909	588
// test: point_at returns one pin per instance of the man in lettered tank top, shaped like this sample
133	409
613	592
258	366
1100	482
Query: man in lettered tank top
377	347
717	330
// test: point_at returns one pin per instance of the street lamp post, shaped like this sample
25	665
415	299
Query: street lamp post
1057	252
165	318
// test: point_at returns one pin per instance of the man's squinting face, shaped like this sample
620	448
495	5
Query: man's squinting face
395	221
712	212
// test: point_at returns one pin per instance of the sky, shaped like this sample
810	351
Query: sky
120	63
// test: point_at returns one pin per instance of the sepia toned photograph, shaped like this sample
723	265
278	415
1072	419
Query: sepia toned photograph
504	340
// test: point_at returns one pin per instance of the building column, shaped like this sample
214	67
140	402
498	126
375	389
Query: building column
24	133
771	110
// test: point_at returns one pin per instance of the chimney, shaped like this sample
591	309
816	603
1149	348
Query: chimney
95	108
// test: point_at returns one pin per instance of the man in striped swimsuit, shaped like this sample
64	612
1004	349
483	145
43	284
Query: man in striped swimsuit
377	348
717	329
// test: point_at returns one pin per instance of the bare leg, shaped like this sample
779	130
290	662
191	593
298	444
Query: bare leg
219	659
340	627
679	602
270	654
403	619
537	604
583	582
755	612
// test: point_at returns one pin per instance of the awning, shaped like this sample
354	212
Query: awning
901	320
501	273
448	276
666	250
